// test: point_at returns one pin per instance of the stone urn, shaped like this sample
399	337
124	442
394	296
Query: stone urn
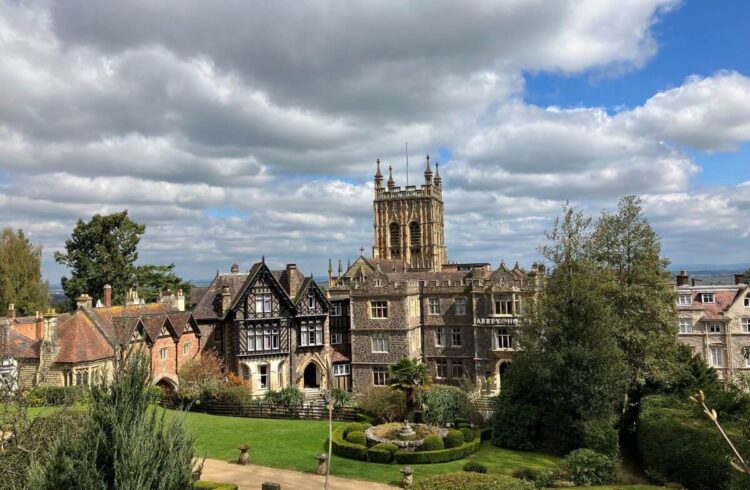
322	460
406	432
407	479
244	454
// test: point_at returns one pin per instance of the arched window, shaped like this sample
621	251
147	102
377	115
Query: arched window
415	236
395	241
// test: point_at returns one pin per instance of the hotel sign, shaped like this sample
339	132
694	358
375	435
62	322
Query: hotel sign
498	321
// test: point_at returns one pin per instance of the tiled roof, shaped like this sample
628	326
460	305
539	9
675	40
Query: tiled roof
12	343
153	324
283	278
104	317
209	307
197	293
80	341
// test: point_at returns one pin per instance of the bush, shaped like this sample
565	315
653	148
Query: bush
546	478
379	455
602	437
341	398
385	403
472	481
347	449
353	427
445	404
237	396
587	467
356	437
57	396
432	443
468	434
475	467
201	375
438	456
454	438
386	445
212	485
366	426
289	397
677	445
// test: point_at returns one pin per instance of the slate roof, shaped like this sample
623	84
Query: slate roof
209	307
197	293
724	297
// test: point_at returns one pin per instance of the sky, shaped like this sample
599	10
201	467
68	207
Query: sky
241	130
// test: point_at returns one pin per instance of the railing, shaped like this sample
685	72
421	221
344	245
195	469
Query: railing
261	410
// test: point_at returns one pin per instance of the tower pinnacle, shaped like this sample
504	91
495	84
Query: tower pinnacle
378	177
391	183
428	172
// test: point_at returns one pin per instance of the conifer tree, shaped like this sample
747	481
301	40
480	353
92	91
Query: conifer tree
21	274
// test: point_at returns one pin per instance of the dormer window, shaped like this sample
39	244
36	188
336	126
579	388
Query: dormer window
747	301
714	327
684	299
378	283
708	298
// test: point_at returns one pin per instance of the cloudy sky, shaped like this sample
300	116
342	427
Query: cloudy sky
241	129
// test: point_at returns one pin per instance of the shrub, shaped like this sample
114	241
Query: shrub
341	398
472	481
57	396
587	467
445	404
468	434
546	478
356	437
437	456
475	467
237	396
602	437
346	449
353	427
201	375
379	455
366	426
212	485
385	403
431	443
386	445
288	397
454	438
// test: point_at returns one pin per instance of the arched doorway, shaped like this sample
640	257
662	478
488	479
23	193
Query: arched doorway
168	387
311	376
500	369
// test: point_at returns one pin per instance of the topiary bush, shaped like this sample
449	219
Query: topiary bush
587	467
472	481
356	437
353	427
366	426
475	467
468	434
439	455
445	404
454	438
432	443
379	455
346	449
386	445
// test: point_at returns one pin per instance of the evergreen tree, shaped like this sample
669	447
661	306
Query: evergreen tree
153	279
571	370
21	274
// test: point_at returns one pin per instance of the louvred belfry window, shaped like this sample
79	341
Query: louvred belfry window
415	236
395	235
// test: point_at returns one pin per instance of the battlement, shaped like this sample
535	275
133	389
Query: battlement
411	191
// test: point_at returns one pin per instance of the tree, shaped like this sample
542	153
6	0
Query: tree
21	274
571	369
101	251
153	279
408	375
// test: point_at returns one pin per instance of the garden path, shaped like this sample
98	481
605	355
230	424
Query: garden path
250	477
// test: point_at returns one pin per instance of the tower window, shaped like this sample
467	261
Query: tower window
395	240
415	236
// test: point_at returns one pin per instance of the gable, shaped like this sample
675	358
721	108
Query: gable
260	287
311	300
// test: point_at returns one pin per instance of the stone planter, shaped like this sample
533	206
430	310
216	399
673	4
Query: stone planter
322	466
408	477
244	454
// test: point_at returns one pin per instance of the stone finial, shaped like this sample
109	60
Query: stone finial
11	312
378	176
427	172
391	183
438	181
235	268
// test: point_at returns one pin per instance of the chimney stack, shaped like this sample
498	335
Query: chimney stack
738	279
107	295
132	297
293	282
226	300
235	269
180	300
50	326
39	326
682	278
11	312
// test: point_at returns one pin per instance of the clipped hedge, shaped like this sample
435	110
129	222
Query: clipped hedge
379	455
472	481
212	485
475	467
386	445
56	396
432	442
468	434
454	438
587	467
356	437
438	456
353	427
347	449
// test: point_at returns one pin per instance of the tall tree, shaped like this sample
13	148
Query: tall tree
637	285
570	370
21	274
408	375
153	279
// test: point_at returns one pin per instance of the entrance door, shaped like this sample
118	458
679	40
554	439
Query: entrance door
311	376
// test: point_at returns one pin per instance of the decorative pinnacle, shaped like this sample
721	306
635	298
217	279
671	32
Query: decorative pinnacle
377	173
361	250
437	173
390	176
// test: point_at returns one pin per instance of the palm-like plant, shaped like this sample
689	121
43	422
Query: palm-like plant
408	375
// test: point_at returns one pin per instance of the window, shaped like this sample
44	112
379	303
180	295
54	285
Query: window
708	298
503	339
380	375
441	370
747	301
311	300
335	310
433	306
395	241
508	304
311	333
717	356
440	337
380	342
456	337
714	327
685	325
82	377
746	355
163	353
457	369
684	299
745	325
342	369
449	369
263	376
414	237
263	303
262	337
378	283
378	309
460	306
337	338
186	348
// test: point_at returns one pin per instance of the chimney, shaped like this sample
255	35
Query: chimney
11	312
235	269
738	279
293	282
226	300
50	326
39	326
107	295
132	297
166	297
179	302
83	301
682	278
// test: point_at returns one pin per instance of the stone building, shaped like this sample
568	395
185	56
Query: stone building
714	320
409	301
271	327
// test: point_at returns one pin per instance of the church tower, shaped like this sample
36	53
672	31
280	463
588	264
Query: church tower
409	221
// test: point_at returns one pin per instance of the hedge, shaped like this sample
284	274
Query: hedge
347	449
676	445
55	396
468	434
438	456
379	455
454	438
432	442
472	481
356	437
353	427
212	485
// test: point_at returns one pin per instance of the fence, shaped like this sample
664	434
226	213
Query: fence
262	410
